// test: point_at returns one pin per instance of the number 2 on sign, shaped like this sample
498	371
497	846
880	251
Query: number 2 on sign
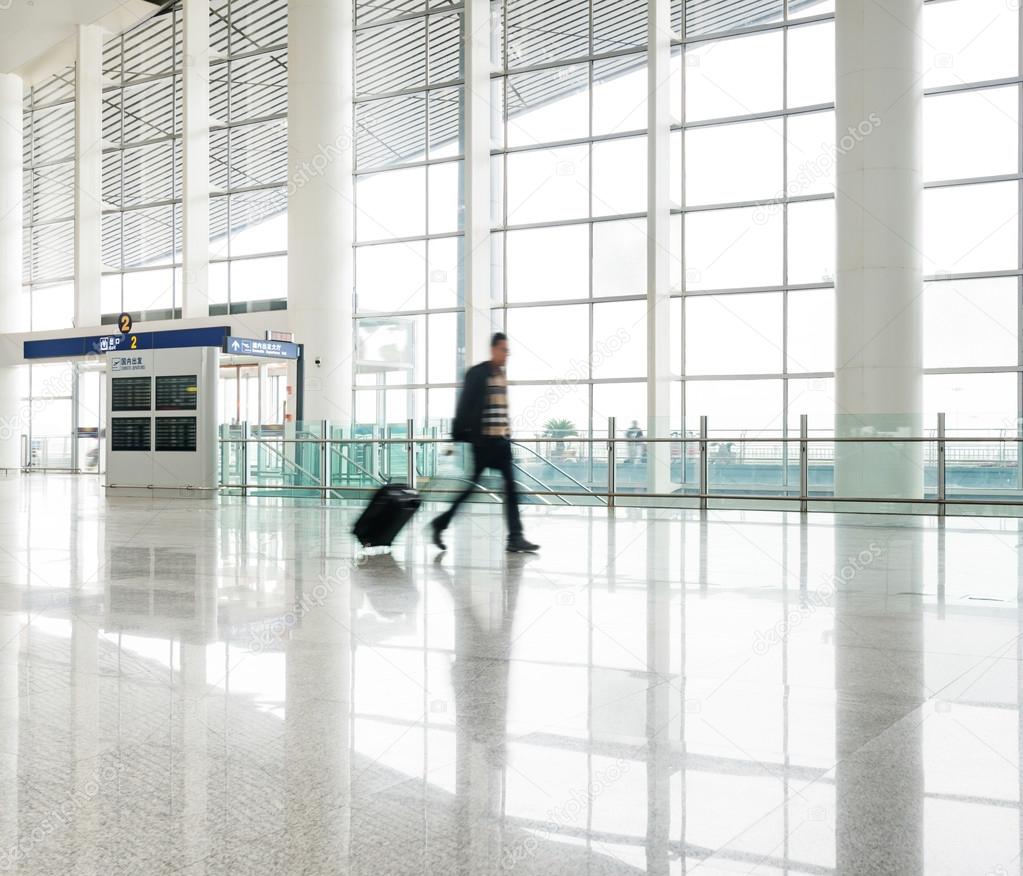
134	342
125	323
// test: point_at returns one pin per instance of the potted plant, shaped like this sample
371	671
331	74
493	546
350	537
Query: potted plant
559	430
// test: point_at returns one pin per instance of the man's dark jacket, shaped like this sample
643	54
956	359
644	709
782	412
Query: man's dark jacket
468	424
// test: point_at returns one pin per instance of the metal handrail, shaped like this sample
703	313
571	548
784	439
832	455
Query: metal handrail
555	467
803	496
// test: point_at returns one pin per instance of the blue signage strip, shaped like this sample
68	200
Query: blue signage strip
264	349
70	348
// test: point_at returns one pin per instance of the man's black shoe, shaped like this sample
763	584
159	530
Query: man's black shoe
436	528
519	545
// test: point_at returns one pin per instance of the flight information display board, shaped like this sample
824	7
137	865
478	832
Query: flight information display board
131	434
176	434
131	394
178	392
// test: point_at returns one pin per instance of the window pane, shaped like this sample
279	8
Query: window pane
971	228
390	350
53	307
816	399
718	15
538	31
811	242
259	222
734	77
445	272
548	263
619	176
623	401
548	343
148	290
446	193
970	323
969	41
391	204
811	64
259	279
534	118
445	365
530	407
110	293
734	334
619	95
619	339
811	321
731	406
390	277
733	249
729	163
981	403
971	133
619	257
546	185
811	154
391	57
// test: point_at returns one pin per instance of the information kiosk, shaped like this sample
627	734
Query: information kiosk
162	416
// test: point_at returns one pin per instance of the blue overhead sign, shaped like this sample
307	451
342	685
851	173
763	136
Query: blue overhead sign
99	345
264	349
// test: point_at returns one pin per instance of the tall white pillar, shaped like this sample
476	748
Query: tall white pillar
13	301
879	202
88	175
195	145
321	227
658	316
478	111
10	729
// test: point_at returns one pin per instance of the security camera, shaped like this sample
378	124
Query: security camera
317	361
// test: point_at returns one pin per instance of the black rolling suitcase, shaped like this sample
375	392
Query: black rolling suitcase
391	507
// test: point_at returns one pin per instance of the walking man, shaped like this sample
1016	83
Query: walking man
481	418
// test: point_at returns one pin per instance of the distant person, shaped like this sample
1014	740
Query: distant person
481	419
635	448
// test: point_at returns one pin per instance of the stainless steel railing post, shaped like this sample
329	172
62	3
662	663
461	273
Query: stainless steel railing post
324	462
704	480
612	454
941	465
804	464
244	459
410	469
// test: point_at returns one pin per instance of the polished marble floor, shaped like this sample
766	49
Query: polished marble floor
199	688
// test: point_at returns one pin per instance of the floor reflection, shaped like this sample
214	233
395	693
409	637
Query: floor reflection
238	691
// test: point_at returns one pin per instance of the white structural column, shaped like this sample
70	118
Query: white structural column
10	727
195	146
321	216
879	202
658	319
88	175
13	301
478	110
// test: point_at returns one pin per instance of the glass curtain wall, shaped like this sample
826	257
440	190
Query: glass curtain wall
569	164
248	156
409	204
753	217
972	242
49	204
142	170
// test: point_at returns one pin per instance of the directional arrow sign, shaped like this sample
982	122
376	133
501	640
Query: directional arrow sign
261	348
